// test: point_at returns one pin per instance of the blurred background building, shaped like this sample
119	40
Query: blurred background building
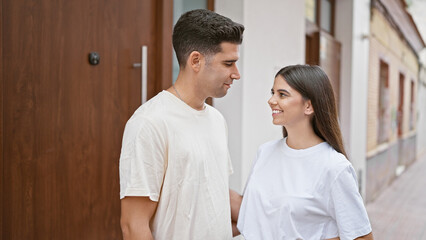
417	8
394	67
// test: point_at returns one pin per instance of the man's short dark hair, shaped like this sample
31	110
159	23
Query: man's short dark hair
203	31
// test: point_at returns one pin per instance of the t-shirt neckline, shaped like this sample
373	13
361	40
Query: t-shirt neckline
302	152
184	105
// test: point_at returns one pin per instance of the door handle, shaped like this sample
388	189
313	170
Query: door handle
144	72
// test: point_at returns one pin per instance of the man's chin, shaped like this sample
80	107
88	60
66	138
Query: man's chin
220	94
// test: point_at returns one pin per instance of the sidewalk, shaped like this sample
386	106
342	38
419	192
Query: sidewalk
399	213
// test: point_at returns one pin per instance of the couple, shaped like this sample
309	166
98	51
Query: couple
174	163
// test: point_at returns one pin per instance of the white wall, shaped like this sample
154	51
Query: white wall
421	109
231	104
274	37
417	10
352	30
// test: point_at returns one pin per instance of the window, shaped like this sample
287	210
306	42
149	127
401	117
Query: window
310	10
400	113
383	113
326	15
412	110
180	7
321	14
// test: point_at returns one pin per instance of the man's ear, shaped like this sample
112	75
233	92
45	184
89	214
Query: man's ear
309	109
194	60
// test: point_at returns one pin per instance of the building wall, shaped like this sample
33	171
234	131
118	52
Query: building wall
421	110
274	37
352	30
387	46
417	9
231	104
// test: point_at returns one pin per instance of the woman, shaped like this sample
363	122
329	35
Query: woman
303	186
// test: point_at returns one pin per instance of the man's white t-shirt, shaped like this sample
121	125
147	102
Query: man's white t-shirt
307	194
179	157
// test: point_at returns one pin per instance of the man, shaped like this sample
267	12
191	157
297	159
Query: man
174	162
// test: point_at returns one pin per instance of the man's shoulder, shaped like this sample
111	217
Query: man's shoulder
214	111
153	108
149	114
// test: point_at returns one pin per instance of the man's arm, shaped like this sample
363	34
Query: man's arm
366	237
136	212
236	200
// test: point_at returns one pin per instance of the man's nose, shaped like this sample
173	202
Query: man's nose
236	74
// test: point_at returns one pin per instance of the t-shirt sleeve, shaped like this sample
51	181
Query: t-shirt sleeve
346	206
143	161
252	168
230	168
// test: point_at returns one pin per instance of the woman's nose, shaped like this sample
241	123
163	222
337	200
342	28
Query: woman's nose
272	101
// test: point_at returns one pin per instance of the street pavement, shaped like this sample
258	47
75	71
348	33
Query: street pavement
399	213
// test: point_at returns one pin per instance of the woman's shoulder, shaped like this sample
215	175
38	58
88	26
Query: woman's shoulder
338	157
338	162
273	144
267	148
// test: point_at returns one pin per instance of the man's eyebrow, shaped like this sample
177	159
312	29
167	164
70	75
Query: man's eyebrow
231	61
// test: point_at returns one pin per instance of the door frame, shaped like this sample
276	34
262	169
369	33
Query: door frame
1	121
164	56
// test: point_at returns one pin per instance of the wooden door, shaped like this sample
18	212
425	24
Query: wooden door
62	119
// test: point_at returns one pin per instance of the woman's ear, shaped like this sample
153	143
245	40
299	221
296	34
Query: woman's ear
309	109
194	60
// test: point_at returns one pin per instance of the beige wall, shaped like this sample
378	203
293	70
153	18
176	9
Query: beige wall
388	160
388	46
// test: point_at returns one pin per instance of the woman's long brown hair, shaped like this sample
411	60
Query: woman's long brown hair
313	84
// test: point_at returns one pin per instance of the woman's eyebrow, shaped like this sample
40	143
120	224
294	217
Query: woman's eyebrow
283	90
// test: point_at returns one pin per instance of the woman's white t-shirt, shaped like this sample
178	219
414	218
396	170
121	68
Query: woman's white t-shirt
302	194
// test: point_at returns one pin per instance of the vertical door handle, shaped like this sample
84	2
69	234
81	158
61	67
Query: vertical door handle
144	71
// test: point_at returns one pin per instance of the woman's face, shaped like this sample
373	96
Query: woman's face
287	105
